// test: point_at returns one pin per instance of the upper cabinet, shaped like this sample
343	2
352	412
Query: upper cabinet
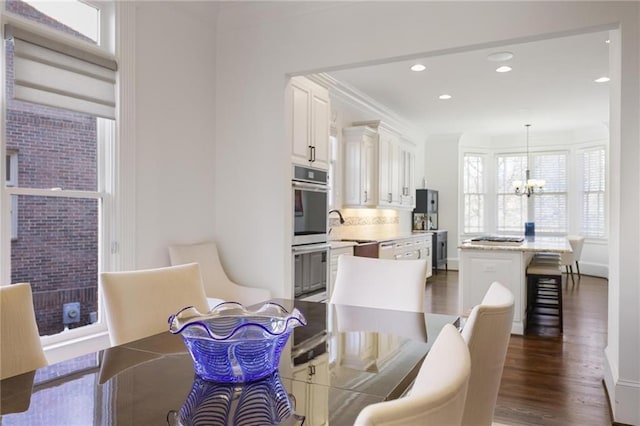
307	108
392	169
360	167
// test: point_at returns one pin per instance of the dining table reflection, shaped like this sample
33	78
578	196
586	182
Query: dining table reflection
343	360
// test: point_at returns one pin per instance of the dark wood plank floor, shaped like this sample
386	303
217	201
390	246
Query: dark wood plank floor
549	378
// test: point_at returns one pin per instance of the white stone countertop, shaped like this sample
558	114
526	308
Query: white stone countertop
538	244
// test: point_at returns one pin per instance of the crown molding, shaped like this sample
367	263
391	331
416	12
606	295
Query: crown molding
357	99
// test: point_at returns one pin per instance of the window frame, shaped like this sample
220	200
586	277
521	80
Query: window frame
109	255
605	191
482	195
11	179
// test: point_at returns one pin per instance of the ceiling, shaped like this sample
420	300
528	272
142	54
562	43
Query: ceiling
551	86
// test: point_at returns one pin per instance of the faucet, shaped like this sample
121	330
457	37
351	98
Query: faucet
339	214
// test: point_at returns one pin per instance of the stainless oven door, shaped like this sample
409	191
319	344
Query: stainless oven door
309	213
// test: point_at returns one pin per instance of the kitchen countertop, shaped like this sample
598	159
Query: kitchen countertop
374	237
336	244
545	244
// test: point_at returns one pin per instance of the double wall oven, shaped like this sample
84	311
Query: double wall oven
310	248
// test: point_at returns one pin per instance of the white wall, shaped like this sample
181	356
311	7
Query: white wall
175	127
256	53
441	174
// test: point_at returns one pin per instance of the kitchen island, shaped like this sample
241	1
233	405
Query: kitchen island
505	260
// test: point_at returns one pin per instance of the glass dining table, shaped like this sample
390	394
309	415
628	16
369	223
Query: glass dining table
344	359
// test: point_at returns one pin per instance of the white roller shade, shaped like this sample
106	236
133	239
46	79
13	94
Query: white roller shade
59	78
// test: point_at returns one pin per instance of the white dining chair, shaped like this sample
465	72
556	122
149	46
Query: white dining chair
380	283
216	282
569	259
487	332
20	348
438	394
138	303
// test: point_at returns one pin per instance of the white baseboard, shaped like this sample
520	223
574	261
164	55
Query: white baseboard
623	394
593	269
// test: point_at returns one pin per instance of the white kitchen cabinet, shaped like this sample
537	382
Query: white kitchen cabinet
392	169
409	248
360	168
426	252
307	107
333	266
406	174
389	168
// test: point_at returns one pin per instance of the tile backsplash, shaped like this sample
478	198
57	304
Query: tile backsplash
359	223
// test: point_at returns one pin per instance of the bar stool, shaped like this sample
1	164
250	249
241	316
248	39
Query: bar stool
544	290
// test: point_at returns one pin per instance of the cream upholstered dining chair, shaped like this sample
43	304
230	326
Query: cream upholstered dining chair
138	303
487	332
568	259
216	282
21	350
438	394
380	283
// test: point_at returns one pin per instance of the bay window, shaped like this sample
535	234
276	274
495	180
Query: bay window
573	200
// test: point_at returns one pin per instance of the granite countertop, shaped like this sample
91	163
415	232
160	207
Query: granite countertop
546	244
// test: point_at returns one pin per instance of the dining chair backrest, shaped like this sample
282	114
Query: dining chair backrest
438	394
216	282
20	347
487	332
576	242
138	303
380	283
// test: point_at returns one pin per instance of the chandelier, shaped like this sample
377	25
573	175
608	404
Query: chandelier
529	186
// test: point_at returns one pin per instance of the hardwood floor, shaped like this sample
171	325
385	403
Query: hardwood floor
549	378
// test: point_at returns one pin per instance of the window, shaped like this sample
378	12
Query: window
474	193
547	209
78	17
551	206
593	192
511	208
62	125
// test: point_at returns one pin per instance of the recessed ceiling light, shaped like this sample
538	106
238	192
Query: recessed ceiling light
444	97
607	41
500	56
602	79
503	68
418	67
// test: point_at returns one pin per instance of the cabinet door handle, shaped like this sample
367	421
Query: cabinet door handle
366	196
310	153
390	197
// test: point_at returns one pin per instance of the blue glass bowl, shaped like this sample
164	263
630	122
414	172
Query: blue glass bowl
262	402
231	344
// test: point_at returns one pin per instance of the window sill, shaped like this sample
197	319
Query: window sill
71	348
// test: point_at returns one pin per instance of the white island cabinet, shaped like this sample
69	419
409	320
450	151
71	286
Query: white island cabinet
483	263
